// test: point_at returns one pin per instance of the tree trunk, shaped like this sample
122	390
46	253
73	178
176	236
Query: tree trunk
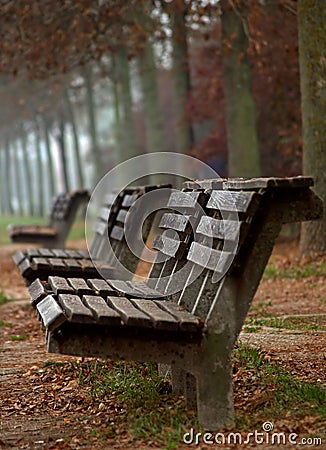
243	150
7	181
52	184
40	191
61	139
90	105
28	175
128	132
181	74
312	47
71	115
18	179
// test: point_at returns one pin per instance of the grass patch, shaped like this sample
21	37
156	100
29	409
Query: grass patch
3	299
304	323
3	323
274	394
314	268
137	401
20	337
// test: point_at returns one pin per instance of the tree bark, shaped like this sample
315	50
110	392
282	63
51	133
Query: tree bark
312	53
181	74
52	184
78	164
128	132
61	139
18	178
90	105
243	150
28	174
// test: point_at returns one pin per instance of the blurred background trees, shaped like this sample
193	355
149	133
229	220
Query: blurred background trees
86	84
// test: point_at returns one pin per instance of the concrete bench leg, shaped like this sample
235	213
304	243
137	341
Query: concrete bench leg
215	406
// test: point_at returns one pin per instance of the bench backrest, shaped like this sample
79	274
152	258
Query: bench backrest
218	239
63	211
112	224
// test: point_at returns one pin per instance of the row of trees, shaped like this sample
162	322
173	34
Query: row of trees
88	84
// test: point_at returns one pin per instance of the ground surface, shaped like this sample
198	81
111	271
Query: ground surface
43	411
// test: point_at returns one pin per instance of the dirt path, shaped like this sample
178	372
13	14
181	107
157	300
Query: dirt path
42	411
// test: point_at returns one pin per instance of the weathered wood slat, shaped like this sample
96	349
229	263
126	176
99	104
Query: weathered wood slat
233	201
184	200
74	309
144	290
176	222
169	246
117	233
215	183
18	257
39	263
122	215
59	253
219	228
209	258
130	315
46	252
110	199
264	183
129	200
104	214
160	319
72	263
101	287
37	291
187	321
56	263
60	285
80	286
50	312
73	254
31	252
103	314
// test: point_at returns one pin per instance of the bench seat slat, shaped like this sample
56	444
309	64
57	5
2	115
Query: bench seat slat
38	263
129	200
31	252
103	314
101	287
72	263
60	285
131	316
187	321
51	314
144	290
161	319
37	291
80	286
74	309
46	252
59	253
56	263
206	257
18	257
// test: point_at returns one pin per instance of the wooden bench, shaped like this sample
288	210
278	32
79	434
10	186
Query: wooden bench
217	240
61	217
107	248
